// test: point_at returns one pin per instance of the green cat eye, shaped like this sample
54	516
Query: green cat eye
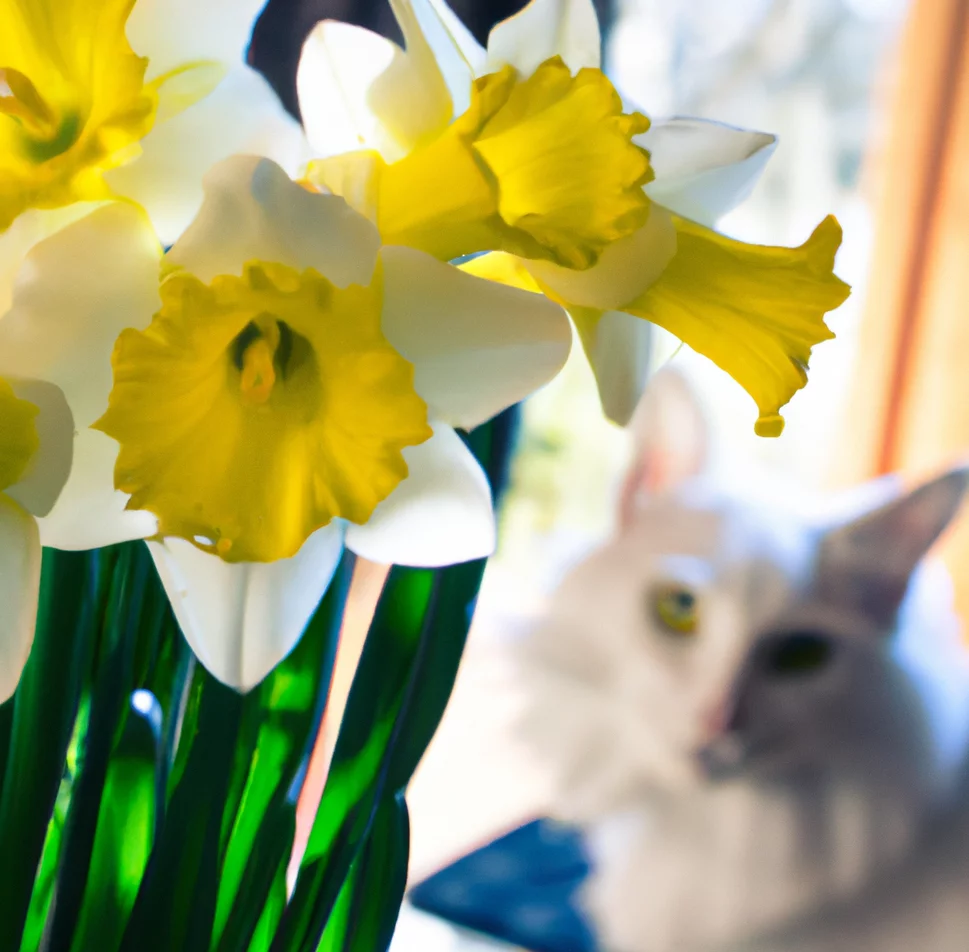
675	608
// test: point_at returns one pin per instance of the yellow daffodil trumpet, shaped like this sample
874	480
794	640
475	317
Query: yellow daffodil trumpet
73	101
132	99
618	238
18	435
256	409
543	166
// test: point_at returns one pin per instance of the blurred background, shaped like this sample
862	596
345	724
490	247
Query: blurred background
870	99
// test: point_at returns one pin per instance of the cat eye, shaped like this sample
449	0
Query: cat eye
797	652
675	608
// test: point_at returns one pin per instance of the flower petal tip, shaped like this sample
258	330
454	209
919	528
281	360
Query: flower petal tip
769	425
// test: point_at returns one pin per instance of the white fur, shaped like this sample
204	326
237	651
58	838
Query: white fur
828	841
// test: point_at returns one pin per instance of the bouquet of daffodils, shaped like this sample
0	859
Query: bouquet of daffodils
236	351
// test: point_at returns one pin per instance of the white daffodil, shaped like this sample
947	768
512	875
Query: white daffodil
525	149
285	385
55	375
36	439
36	436
124	98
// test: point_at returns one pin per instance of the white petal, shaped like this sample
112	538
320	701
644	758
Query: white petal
26	231
254	211
477	347
411	97
242	115
624	270
358	89
472	52
337	67
704	169
545	28
241	619
440	514
620	359
41	483
172	33
90	512
75	293
458	54
19	590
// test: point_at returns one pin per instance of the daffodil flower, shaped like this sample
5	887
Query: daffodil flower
541	163
124	98
69	304
36	439
284	384
755	311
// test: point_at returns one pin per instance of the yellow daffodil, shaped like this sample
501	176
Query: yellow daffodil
540	163
123	98
395	130
99	99
282	385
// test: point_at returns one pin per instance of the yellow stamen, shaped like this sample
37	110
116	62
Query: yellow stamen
258	373
20	99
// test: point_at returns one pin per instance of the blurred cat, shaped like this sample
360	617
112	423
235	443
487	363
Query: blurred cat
759	712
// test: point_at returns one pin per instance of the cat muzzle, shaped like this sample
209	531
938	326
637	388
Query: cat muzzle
723	757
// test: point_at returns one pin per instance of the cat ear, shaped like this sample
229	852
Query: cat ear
670	440
874	556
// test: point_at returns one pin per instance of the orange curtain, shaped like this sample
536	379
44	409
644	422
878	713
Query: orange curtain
909	410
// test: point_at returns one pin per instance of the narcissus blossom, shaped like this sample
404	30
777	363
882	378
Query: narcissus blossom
526	150
55	375
515	172
539	163
124	98
283	384
36	435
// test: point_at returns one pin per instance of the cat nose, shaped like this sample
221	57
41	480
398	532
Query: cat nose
721	718
722	747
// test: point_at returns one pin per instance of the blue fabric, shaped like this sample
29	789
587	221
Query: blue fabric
519	888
